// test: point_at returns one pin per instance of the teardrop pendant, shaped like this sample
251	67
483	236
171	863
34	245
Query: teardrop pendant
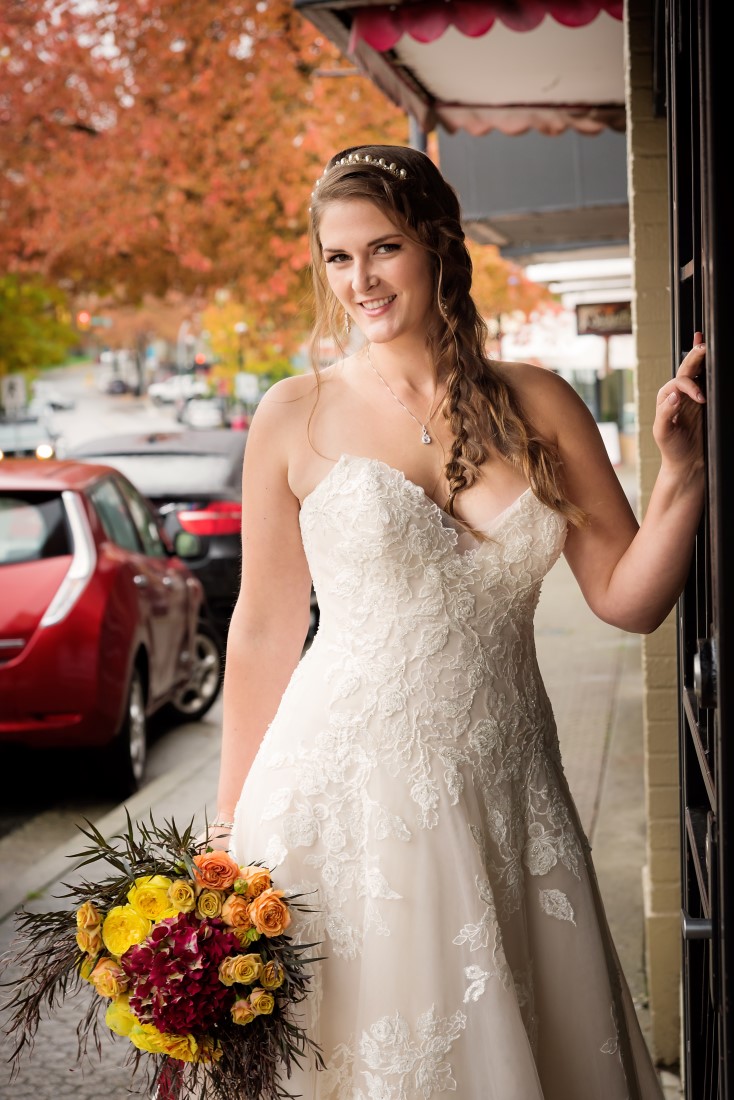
425	438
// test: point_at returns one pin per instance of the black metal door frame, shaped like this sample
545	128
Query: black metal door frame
701	281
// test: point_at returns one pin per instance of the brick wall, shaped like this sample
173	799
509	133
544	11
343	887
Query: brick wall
649	247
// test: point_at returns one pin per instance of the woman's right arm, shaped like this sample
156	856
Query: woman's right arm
270	619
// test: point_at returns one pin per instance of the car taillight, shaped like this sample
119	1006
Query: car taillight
82	566
221	517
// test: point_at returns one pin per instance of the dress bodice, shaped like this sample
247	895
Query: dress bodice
381	550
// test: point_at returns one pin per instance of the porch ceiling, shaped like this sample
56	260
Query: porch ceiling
479	65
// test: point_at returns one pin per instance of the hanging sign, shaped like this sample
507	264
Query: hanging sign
604	318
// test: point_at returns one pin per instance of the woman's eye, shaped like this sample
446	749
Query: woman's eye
338	257
389	247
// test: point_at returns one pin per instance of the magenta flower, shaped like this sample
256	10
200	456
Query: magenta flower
174	974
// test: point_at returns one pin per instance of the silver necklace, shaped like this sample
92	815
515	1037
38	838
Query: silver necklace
425	437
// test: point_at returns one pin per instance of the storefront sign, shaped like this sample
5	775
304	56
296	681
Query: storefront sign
604	318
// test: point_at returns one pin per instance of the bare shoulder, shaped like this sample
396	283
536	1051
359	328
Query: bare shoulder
281	396
548	400
287	404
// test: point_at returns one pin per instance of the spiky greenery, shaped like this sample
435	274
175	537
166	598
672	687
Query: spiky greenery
255	1058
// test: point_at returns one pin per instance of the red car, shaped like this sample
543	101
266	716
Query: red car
100	622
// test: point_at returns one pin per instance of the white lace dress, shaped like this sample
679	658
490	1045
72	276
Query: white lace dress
412	779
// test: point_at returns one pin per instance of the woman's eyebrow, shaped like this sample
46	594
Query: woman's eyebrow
370	244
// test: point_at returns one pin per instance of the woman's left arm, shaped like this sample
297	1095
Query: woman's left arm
630	575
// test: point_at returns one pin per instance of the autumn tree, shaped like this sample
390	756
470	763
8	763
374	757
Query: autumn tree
35	325
501	288
149	146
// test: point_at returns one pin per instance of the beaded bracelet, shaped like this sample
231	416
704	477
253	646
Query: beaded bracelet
224	824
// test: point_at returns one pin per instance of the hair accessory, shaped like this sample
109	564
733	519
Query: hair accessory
364	158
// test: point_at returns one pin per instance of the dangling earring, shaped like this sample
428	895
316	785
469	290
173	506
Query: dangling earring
347	323
443	309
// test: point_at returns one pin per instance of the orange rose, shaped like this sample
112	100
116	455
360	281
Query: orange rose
89	940
269	913
88	916
109	979
236	912
216	869
257	879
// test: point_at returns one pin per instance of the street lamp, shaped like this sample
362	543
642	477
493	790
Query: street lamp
183	333
240	328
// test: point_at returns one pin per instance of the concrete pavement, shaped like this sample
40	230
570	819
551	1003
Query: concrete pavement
592	673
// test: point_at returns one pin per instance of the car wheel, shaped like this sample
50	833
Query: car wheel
129	750
194	699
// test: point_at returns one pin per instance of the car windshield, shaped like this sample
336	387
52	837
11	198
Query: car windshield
32	526
22	433
174	476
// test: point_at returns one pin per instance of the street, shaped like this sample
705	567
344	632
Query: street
97	413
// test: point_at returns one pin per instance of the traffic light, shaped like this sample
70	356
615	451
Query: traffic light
83	319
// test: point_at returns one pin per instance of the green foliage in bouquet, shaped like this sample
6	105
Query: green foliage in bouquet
190	961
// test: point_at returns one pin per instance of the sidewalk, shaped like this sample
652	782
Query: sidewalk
592	673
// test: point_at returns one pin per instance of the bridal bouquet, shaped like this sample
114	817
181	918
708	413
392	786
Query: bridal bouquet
188	957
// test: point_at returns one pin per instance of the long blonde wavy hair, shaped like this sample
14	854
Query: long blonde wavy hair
483	411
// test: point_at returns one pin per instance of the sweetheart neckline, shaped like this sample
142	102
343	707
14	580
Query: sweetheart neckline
485	528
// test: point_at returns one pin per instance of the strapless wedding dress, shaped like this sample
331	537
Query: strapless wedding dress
411	781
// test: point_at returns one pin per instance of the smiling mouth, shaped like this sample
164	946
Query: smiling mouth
377	303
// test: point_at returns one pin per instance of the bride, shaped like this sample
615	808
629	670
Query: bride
406	769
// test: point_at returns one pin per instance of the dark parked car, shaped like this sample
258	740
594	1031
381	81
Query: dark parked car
27	437
100	622
194	479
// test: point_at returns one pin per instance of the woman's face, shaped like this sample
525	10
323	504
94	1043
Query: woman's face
381	277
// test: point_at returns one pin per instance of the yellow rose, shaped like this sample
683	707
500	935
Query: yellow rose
243	969
258	879
273	975
85	969
149	897
209	903
89	940
88	916
122	928
182	895
269	913
261	1001
119	1016
109	979
236	912
183	1047
148	1038
242	1012
246	936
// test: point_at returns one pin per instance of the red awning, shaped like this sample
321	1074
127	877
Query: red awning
382	26
484	65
